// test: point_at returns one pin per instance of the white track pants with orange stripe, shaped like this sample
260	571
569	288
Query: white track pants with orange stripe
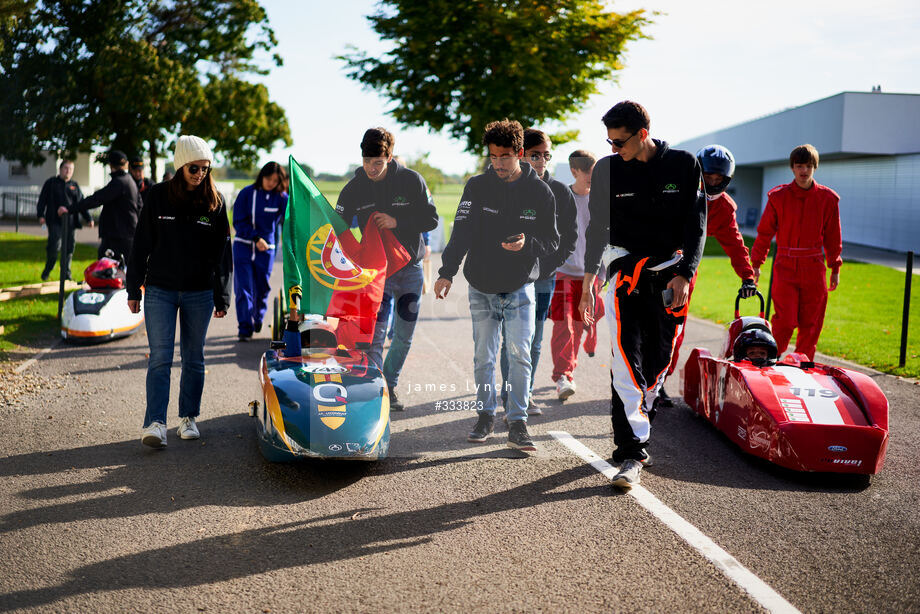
642	334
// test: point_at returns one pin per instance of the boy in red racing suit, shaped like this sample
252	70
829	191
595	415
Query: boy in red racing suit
718	165
805	218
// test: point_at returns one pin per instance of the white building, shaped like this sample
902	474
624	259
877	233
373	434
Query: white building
870	155
27	181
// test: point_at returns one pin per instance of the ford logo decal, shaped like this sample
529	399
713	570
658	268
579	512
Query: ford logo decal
837	448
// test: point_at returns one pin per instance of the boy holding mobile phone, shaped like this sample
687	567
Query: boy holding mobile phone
505	222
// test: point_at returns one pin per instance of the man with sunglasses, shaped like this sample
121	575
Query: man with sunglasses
120	202
648	224
537	153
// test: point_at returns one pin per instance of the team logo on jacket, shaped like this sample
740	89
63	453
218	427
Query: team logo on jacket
331	399
670	188
330	266
626	194
399	201
204	221
528	214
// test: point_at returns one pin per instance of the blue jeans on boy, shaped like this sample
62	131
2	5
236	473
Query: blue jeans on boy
402	292
160	308
512	312
543	289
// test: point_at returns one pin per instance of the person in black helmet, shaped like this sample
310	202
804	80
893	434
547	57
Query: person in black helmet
121	204
757	346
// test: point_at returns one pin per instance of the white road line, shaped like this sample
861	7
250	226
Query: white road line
729	565
35	358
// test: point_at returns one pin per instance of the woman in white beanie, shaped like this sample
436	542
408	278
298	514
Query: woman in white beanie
182	257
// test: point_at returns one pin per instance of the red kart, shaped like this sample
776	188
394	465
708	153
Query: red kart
796	413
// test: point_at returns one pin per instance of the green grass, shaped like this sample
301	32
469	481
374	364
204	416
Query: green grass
31	321
863	319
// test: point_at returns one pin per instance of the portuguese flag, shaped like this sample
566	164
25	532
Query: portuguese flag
326	269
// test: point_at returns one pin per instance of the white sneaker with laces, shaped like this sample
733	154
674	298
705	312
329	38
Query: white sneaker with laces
628	476
564	387
154	435
187	429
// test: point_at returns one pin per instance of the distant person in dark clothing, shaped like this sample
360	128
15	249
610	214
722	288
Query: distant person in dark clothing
60	191
137	172
120	202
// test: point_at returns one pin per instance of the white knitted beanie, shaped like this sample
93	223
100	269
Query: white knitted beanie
190	148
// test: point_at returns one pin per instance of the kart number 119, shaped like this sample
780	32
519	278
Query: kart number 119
812	392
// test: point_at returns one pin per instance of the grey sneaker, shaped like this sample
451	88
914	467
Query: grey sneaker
518	438
154	435
483	429
534	408
187	429
628	476
564	388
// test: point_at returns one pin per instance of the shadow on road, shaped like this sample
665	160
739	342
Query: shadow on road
355	533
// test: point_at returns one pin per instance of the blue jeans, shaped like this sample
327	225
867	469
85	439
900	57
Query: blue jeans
512	312
402	291
543	288
160	308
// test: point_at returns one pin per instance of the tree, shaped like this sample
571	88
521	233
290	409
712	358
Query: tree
434	177
460	65
131	75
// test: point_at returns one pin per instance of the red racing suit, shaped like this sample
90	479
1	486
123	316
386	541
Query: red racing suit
807	228
721	224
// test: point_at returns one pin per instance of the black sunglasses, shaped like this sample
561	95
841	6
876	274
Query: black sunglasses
194	169
537	155
618	143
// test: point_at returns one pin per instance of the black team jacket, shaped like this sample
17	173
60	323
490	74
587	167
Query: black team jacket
490	211
650	208
181	246
59	193
121	204
566	224
402	194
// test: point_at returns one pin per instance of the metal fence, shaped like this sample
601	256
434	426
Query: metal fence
18	204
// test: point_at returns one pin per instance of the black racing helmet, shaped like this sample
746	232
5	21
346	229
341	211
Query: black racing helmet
717	159
755	337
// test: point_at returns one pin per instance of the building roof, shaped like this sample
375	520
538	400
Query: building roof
845	125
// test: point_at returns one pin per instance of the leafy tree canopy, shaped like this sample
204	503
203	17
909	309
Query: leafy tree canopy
460	65
131	74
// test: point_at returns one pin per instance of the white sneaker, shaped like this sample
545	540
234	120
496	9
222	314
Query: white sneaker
628	476
564	387
187	429
154	435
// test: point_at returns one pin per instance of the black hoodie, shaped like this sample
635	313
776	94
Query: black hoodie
181	246
401	193
650	208
490	211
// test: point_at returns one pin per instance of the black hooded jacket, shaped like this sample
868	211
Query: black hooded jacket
566	224
402	194
121	204
490	211
650	208
181	246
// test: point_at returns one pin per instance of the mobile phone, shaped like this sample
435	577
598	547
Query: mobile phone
667	296
513	238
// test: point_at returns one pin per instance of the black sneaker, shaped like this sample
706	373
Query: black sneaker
484	428
590	354
518	437
257	327
244	337
663	399
395	405
45	276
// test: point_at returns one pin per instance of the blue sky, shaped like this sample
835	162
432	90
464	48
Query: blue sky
711	64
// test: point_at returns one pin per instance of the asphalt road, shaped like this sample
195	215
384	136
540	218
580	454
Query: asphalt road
91	520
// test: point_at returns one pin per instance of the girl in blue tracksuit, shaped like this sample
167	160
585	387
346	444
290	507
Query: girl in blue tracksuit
257	216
